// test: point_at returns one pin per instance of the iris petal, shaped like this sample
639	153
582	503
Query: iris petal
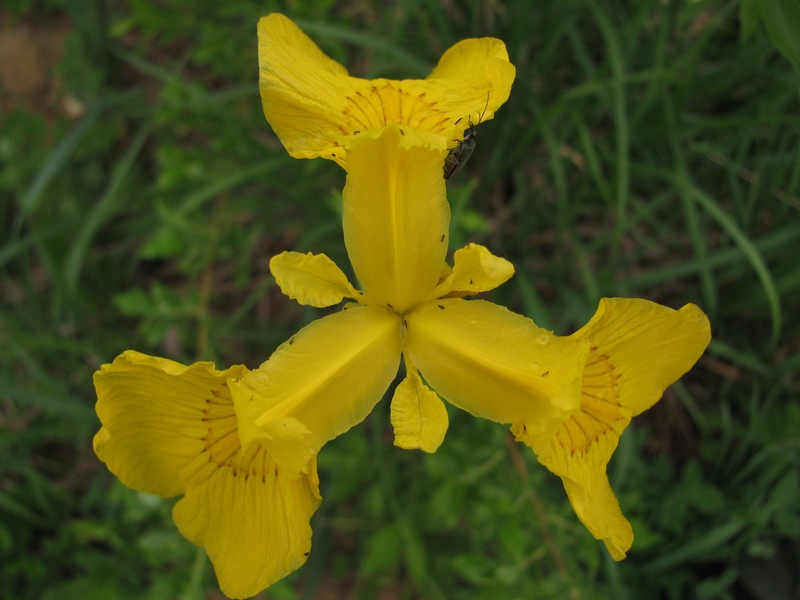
170	429
637	349
419	417
152	411
497	365
311	102
396	217
312	279
253	523
323	381
476	270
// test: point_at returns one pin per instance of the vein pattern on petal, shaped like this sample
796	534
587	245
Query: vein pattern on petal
497	365
323	381
637	349
311	102
396	218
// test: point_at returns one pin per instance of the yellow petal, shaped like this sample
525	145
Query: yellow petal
476	270
419	417
644	346
252	521
396	218
637	349
155	415
478	69
312	279
323	381
311	102
497	365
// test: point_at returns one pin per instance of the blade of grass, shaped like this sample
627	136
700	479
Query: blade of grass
53	164
751	253
617	65
102	211
707	281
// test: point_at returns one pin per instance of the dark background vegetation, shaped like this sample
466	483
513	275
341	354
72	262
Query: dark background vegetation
649	149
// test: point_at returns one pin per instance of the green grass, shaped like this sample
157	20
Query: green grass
647	149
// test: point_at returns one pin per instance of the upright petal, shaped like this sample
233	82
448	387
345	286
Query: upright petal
419	417
153	412
323	381
637	349
396	216
312	279
497	365
476	270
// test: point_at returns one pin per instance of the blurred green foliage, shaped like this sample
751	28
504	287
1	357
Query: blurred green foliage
648	149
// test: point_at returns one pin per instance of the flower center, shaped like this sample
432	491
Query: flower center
222	445
384	101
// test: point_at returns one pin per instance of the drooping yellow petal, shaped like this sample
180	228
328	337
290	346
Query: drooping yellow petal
170	429
154	412
476	270
323	381
252	519
311	102
637	349
645	345
396	217
497	365
419	417
312	279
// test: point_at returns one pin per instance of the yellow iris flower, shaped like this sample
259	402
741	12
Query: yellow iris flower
313	105
241	445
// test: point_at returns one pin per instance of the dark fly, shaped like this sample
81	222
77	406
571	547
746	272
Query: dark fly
458	156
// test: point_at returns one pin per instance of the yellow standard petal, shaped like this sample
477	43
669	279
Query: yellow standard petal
497	365
170	429
312	279
396	216
419	417
637	349
323	381
153	411
476	270
311	102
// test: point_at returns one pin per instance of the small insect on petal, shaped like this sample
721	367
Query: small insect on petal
458	156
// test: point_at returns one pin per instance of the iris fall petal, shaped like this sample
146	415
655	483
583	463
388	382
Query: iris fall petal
637	349
497	365
323	381
311	102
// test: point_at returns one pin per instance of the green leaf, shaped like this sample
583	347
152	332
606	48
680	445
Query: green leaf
782	19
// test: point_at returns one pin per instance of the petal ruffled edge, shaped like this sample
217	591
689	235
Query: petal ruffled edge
637	349
153	413
312	279
475	270
255	527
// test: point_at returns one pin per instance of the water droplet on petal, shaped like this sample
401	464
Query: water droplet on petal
474	321
311	451
533	365
543	338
